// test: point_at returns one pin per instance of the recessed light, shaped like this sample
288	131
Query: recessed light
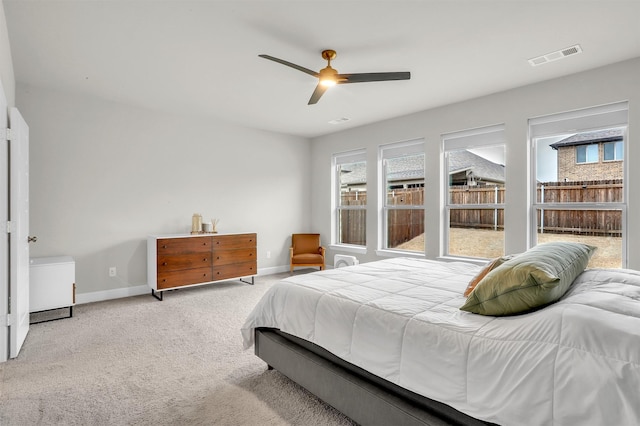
339	120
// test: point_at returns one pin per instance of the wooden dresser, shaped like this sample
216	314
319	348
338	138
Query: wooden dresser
185	260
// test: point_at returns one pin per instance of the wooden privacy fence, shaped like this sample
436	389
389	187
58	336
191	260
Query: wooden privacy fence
476	218
405	225
583	222
353	223
588	191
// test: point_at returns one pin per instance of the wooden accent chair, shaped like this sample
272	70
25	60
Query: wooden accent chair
306	251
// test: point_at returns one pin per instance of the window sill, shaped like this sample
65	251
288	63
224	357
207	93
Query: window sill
474	260
348	248
399	253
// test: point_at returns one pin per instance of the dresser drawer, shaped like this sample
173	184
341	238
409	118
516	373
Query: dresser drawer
235	241
225	257
184	245
167	262
235	270
179	278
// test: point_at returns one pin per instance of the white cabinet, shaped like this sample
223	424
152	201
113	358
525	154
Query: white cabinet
52	283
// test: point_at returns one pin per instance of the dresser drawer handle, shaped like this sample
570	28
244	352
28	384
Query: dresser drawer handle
164	246
164	263
218	258
204	260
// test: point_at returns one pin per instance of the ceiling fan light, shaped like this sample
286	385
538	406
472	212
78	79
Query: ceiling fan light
328	77
328	82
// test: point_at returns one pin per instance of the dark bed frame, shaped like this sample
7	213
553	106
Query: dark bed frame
358	394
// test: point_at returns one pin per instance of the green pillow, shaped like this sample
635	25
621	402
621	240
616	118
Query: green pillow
535	278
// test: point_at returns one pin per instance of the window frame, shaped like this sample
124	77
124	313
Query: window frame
386	152
586	153
615	150
482	137
337	160
579	121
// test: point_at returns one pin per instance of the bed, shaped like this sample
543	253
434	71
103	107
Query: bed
385	342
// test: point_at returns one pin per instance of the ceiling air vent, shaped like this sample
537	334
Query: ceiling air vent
554	56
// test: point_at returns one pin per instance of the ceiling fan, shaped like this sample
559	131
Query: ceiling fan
328	76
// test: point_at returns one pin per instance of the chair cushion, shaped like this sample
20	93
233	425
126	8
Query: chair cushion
307	258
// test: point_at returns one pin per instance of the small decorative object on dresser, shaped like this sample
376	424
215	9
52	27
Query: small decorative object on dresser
186	260
196	223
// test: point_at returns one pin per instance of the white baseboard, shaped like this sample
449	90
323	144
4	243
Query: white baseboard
273	270
118	293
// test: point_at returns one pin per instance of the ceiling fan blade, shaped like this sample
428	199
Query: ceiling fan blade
315	96
372	76
289	64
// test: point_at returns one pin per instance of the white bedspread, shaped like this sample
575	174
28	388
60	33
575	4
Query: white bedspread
576	362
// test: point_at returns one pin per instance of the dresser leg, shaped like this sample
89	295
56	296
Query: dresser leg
247	282
154	294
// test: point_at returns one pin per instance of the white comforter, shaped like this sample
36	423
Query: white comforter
576	362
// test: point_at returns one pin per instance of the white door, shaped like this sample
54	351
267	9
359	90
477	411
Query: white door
4	246
18	237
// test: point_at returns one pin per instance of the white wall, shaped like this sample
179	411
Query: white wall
609	84
6	62
106	175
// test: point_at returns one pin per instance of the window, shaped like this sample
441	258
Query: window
350	198
402	172
475	192
581	202
587	154
613	151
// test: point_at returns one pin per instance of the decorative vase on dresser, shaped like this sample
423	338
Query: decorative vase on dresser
175	261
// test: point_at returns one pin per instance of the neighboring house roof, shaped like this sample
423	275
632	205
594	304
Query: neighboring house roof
405	168
399	169
353	174
412	168
610	135
481	168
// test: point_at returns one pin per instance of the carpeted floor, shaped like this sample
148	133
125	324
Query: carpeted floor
139	361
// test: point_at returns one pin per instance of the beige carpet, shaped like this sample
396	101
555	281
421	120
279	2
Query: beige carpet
139	361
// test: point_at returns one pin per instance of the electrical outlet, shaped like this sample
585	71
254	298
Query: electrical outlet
112	271
268	255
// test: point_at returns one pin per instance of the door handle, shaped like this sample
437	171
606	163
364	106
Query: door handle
32	239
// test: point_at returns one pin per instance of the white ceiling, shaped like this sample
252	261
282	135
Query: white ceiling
201	57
